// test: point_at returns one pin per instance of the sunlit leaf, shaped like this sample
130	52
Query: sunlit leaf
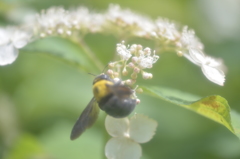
213	107
65	50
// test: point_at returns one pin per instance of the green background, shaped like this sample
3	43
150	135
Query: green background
41	97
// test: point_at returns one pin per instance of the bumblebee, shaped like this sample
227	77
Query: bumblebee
112	97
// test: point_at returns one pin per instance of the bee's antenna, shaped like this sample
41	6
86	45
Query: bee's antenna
105	67
102	70
92	74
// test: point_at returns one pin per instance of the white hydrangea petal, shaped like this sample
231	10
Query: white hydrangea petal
189	39
122	148
191	59
197	55
117	127
20	44
213	74
166	29
4	36
142	128
213	62
8	54
20	39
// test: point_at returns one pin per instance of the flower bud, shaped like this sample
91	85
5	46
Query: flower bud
115	74
131	65
147	51
110	72
128	82
146	75
180	53
139	47
138	101
136	69
111	65
134	75
134	59
60	31
116	79
125	72
139	90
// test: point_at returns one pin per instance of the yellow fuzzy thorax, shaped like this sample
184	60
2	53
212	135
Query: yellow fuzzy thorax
101	89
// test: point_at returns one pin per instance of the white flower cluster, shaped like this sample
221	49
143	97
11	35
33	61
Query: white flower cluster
191	48
211	68
127	134
133	58
11	39
166	30
59	21
127	22
122	23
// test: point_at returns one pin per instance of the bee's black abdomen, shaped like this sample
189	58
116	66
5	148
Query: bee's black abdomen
118	108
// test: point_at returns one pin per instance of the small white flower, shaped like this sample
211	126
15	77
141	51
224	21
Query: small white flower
11	39
188	40
123	52
52	17
58	20
211	68
166	29
127	134
138	25
84	20
147	75
146	61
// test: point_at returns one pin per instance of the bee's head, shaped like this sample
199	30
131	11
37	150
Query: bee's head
101	77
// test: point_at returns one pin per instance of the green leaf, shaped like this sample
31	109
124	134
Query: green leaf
213	107
236	122
68	51
27	146
56	141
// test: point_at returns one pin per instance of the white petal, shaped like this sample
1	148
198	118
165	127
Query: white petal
20	38
212	62
122	148
142	128
197	55
191	59
8	54
117	127
19	44
213	74
4	36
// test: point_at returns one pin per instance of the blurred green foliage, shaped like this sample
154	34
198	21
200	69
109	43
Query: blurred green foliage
42	97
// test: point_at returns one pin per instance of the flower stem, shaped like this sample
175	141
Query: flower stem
89	53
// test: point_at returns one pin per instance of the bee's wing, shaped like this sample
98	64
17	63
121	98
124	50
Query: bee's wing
86	119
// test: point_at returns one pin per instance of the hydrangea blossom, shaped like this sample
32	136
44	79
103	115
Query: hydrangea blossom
57	20
123	52
188	40
133	23
118	21
127	134
166	29
136	59
211	68
11	39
